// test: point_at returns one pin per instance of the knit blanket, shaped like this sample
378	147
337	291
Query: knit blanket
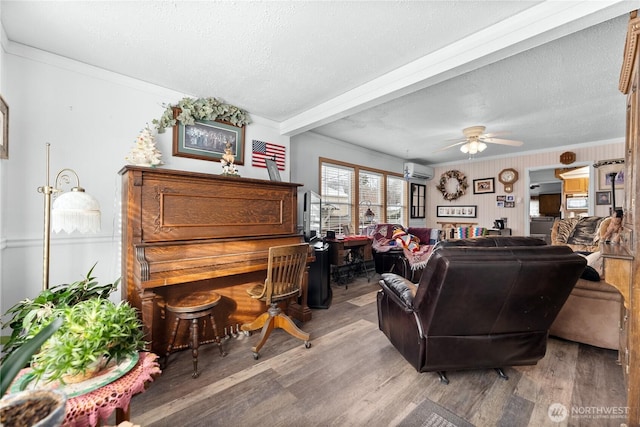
418	259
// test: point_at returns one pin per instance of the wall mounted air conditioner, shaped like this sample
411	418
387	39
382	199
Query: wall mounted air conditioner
416	171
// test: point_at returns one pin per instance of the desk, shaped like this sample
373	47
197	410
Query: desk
348	255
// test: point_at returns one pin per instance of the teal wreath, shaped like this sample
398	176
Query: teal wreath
462	184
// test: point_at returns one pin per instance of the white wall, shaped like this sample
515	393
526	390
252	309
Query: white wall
3	179
91	117
518	217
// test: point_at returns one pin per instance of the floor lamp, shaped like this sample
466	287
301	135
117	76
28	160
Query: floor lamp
71	211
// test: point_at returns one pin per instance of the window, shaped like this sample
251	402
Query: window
355	197
396	200
534	206
337	191
370	200
417	200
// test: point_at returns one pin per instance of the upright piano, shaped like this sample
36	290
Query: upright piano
185	231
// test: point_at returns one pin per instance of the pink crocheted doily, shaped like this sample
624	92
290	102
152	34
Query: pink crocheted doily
88	409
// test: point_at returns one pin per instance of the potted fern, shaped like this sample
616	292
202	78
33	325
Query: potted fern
94	332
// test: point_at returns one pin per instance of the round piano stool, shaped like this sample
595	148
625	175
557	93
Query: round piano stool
193	307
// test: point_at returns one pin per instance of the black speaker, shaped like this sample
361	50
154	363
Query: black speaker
319	293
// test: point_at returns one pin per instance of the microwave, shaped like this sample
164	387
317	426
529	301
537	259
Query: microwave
577	202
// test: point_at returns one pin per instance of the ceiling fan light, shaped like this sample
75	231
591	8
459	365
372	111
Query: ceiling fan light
464	148
482	146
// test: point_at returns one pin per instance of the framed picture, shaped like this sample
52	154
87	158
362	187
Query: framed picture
206	140
603	197
484	185
272	168
457	211
605	179
4	128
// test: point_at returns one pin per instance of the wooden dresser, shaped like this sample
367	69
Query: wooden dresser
186	231
624	262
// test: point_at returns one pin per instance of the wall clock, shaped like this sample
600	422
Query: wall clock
508	177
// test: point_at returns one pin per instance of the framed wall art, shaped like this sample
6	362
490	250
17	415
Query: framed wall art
484	186
605	180
603	197
4	129
457	211
206	140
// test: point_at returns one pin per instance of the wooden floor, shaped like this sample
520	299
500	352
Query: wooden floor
353	376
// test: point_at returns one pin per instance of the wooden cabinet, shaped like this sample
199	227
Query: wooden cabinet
576	185
549	204
629	275
617	264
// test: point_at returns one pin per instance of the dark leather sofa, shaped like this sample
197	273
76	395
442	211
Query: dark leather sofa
481	303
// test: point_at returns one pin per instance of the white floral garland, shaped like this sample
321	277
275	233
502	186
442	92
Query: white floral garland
201	109
462	184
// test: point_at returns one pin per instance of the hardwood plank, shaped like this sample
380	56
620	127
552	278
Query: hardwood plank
353	376
550	381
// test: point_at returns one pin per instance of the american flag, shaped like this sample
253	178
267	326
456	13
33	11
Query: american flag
265	150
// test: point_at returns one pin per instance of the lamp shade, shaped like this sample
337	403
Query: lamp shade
75	210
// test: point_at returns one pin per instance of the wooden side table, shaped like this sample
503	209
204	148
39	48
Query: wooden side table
91	408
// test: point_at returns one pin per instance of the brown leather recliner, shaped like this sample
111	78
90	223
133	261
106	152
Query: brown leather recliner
481	303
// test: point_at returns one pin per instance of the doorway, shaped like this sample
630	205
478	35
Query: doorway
542	181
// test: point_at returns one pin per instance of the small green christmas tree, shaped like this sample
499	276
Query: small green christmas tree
144	151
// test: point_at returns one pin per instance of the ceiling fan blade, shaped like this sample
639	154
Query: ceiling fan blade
494	134
453	145
511	142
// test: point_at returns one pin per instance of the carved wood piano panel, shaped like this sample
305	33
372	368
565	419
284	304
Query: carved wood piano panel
185	231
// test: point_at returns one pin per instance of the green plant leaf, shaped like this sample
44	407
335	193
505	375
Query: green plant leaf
18	359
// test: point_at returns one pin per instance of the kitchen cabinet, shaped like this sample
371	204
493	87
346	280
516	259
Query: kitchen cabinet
576	185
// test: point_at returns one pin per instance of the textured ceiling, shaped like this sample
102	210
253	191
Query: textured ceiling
400	77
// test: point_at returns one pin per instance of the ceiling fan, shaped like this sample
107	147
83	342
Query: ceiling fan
475	140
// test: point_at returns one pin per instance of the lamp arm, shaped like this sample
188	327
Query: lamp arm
65	177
